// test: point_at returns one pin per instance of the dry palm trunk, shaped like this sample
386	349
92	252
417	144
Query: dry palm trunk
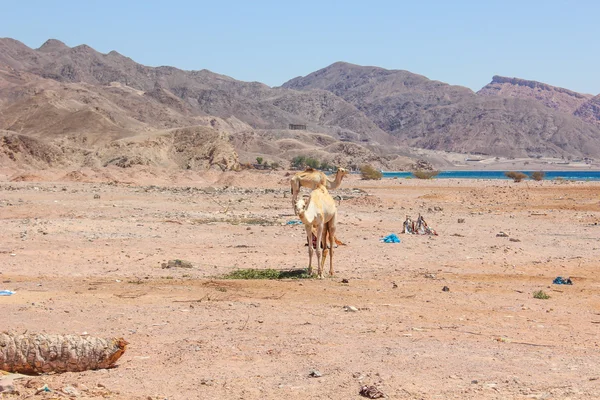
39	353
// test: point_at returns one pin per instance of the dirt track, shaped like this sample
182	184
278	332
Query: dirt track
83	264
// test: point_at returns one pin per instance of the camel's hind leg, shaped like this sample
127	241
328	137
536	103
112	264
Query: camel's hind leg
323	244
331	234
295	191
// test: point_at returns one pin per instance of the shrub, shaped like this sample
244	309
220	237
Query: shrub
298	162
540	294
538	175
425	174
311	162
252	273
259	160
369	172
515	176
325	166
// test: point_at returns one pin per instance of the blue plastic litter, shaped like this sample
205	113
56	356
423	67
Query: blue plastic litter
294	222
6	292
391	238
559	280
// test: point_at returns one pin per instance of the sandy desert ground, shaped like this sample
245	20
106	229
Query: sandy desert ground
79	263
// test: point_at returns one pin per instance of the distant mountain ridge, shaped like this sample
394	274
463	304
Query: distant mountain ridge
88	104
201	92
553	97
78	96
508	117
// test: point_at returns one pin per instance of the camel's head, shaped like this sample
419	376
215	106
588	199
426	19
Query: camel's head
300	205
342	171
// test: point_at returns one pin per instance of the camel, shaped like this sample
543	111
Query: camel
319	212
311	178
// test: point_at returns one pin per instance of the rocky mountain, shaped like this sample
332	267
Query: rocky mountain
75	106
590	110
83	97
559	99
507	118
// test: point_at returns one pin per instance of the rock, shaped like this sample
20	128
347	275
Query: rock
315	373
514	240
345	281
350	308
461	220
7	387
502	234
96	196
421	165
445	289
71	391
371	392
177	264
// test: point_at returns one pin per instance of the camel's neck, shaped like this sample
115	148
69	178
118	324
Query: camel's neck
304	217
334	183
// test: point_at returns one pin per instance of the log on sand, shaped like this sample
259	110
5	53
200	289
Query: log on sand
42	353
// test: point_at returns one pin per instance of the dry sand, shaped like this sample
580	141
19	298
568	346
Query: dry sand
85	264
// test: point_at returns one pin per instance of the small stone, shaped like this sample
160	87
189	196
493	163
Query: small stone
514	240
371	392
177	264
474	381
502	234
7	387
71	391
350	308
461	220
445	289
315	373
96	196
345	281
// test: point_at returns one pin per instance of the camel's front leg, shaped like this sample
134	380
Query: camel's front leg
310	249
318	249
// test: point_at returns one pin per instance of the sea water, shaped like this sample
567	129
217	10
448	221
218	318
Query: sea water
473	174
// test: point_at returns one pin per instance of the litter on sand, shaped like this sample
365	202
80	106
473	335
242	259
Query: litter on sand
294	222
6	292
391	238
419	227
371	392
559	280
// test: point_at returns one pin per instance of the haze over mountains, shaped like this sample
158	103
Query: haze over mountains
78	107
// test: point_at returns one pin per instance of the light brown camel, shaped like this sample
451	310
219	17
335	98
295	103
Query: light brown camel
311	178
320	212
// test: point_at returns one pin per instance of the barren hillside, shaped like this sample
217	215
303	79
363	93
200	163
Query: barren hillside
76	106
85	104
507	118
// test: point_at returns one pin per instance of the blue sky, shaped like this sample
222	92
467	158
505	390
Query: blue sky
458	42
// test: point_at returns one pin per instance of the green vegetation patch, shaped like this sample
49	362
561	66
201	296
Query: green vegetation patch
425	174
516	176
251	273
368	172
540	294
